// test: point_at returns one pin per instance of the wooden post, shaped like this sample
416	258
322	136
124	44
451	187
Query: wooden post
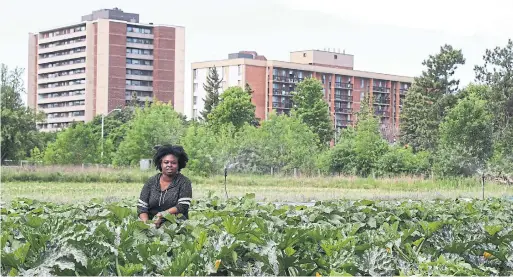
483	184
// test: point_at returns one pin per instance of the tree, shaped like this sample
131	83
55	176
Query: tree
235	107
248	89
369	146
359	148
18	122
155	125
284	142
342	157
312	110
212	92
199	142
435	89
465	137
497	73
77	144
416	124
255	121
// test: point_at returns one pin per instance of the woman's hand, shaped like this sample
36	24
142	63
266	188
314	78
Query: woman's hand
160	216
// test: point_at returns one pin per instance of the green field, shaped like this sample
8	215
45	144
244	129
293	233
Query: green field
69	184
89	226
241	237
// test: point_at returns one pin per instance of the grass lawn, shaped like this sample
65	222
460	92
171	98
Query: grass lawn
266	188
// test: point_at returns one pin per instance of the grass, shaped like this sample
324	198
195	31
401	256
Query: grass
73	192
70	184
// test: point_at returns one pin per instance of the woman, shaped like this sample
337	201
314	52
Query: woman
168	192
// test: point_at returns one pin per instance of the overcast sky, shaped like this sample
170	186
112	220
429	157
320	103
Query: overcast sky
391	36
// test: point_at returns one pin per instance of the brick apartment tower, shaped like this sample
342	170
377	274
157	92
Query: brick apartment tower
273	82
78	71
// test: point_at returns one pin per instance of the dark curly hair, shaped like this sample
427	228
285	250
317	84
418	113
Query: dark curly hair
175	150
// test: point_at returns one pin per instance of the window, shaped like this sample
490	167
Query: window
139	72
194	74
195	113
362	83
195	88
239	70
335	57
139	83
139	51
194	100
139	40
362	95
139	62
140	30
239	83
304	55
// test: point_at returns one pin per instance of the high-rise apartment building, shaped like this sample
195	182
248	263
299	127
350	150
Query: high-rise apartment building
78	71
273	82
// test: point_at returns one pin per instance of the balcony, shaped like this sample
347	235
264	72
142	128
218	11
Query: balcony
140	88
139	35
63	109
64	57
344	98
61	78
66	46
139	56
382	113
139	45
61	88
280	105
62	37
60	99
344	110
61	68
65	119
343	123
343	85
403	91
287	79
139	66
381	100
140	77
281	92
380	89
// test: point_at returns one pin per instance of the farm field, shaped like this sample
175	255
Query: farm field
285	191
85	223
243	237
70	184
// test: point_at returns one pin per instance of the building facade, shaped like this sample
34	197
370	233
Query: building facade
273	82
78	71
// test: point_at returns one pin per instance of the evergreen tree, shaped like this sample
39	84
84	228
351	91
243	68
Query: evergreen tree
311	109
212	88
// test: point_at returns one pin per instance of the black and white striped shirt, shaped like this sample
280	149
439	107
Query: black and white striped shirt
154	200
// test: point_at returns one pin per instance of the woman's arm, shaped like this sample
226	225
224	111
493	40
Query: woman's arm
142	203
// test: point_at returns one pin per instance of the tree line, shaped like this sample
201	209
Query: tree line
445	129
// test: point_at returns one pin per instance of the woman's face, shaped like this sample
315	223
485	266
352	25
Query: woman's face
169	165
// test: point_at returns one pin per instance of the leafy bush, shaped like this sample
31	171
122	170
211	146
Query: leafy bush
402	161
242	237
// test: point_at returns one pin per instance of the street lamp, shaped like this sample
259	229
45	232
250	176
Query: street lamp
103	116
